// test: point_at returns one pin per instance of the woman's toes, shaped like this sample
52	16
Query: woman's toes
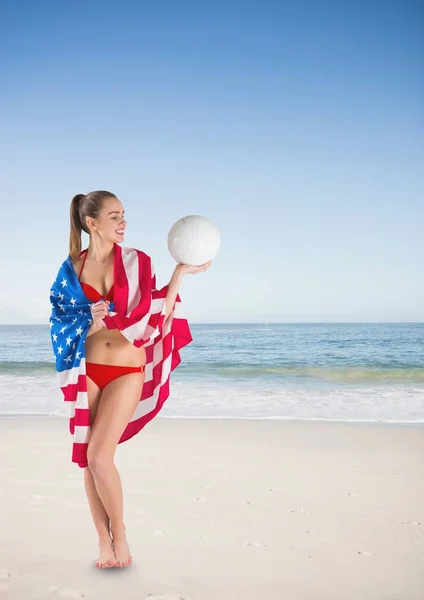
122	555
105	565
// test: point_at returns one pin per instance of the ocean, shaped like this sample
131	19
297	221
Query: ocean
330	372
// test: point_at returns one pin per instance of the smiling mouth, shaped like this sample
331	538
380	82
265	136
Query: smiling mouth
120	231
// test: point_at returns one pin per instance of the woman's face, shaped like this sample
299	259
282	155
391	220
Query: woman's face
110	224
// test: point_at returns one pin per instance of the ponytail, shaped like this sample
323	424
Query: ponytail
76	228
83	206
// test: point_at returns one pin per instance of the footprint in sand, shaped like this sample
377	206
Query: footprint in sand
365	553
198	537
159	532
207	486
66	593
300	510
167	596
255	544
5	574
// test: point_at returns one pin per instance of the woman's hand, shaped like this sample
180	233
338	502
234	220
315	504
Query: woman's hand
189	269
99	310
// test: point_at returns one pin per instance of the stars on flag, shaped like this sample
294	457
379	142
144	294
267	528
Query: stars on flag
68	321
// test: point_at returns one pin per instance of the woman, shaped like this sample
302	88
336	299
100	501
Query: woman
116	340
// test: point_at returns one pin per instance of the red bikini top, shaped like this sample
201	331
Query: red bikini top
91	293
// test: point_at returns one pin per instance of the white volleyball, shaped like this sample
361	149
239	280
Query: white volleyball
193	240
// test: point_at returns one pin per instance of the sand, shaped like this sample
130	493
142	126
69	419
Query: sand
220	510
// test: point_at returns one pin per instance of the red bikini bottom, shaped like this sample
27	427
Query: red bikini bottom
104	374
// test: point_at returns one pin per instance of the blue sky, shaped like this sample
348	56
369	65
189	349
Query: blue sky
295	127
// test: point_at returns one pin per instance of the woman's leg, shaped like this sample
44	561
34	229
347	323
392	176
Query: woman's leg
118	402
98	511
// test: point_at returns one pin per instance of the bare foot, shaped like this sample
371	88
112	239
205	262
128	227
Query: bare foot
122	552
106	557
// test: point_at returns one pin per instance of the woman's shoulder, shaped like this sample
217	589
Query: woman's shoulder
64	274
127	251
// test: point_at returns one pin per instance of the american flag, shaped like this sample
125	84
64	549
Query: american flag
138	311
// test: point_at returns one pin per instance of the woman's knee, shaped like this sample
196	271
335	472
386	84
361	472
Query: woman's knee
99	463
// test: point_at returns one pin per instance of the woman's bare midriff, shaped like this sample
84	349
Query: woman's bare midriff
110	347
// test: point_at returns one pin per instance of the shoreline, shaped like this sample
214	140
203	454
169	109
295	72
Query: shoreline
359	423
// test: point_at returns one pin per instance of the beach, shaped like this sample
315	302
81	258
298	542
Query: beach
220	509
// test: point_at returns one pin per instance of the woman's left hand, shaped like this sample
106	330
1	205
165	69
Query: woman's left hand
190	269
